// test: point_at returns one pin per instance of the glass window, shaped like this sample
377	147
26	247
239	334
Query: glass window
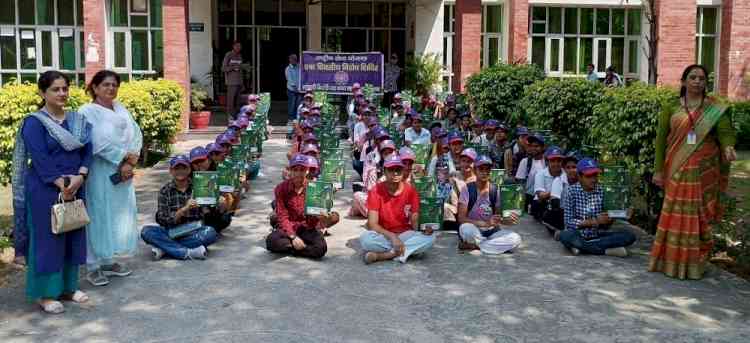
139	50
67	49
618	21
28	49
226	12
493	50
381	16
139	6
618	54
156	14
29	77
26	12
708	53
398	17
138	21
570	49
45	12
118	14
7	12
538	28
555	20
539	13
571	21
47	49
537	51
554	57
82	48
602	21
65	10
587	21
334	13
709	20
601	55
244	12
79	12
8	52
354	40
157	51
119	53
267	12
293	13
634	22
633	56
360	14
494	18
8	78
586	54
447	18
446	41
379	41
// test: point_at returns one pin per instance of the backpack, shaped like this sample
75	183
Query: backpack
474	194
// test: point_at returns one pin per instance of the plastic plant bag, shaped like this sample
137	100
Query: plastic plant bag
430	213
226	176
318	198
334	171
497	176
511	199
205	187
616	200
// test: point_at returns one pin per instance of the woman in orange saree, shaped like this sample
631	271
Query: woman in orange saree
694	146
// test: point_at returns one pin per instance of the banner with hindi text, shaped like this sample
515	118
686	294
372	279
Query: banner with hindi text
336	72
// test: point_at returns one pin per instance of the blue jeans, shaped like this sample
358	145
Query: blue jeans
293	103
607	240
157	236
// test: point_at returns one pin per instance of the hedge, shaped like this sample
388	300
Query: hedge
156	105
496	92
741	113
564	106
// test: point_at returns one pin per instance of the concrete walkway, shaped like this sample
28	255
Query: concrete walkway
242	293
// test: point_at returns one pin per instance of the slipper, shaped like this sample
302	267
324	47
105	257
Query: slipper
52	307
77	297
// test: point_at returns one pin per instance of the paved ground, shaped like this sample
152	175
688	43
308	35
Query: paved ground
242	293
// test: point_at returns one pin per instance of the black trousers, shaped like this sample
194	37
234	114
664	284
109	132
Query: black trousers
218	221
278	242
555	218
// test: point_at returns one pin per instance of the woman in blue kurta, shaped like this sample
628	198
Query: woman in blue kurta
51	146
116	140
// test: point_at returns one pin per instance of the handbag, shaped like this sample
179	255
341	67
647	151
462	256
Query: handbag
68	216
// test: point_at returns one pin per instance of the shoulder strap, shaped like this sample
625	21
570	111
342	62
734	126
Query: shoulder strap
493	196
529	161
471	187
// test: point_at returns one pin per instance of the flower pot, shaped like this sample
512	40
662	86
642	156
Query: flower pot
199	120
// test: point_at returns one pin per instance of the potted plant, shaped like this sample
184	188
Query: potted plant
199	119
423	73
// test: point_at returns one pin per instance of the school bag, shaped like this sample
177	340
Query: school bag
474	194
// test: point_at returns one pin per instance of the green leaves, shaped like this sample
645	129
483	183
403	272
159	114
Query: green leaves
423	73
496	91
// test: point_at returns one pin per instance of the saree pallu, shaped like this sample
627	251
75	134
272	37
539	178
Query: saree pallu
694	182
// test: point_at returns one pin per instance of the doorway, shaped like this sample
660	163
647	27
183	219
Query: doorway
274	46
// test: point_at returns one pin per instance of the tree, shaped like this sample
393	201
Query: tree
652	39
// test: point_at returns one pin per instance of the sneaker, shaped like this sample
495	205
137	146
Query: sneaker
156	253
97	278
575	251
199	253
617	252
116	269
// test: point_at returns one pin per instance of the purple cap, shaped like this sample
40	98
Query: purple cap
298	160
416	116
491	123
213	147
407	154
198	153
522	131
223	139
309	136
502	127
243	122
179	160
310	148
482	160
444	141
247	108
387	144
455	136
371	121
553	152
253	97
536	137
588	166
450	99
234	124
470	153
393	161
380	134
311	162
367	110
478	122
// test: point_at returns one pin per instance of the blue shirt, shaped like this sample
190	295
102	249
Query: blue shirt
582	205
292	77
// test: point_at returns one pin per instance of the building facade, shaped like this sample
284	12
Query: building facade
187	39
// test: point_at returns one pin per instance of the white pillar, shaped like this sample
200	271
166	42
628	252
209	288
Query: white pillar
201	54
314	26
428	27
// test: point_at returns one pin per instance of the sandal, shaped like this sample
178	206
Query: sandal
77	297
52	306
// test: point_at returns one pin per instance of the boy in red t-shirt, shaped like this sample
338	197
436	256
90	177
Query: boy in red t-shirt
392	218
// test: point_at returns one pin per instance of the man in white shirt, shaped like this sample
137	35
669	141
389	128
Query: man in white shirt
559	192
416	134
543	181
530	165
490	126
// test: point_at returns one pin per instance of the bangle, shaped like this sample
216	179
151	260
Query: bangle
84	175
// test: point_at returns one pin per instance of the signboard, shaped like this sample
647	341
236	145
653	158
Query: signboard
336	72
196	27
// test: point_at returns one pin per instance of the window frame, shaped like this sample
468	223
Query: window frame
128	70
699	35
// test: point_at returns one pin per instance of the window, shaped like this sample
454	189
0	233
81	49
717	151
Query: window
706	40
39	35
136	40
564	40
492	35
449	20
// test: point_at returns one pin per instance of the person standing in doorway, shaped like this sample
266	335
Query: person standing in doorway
292	86
231	67
390	84
591	73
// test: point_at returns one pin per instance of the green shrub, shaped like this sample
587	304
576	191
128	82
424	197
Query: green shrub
741	114
565	106
422	73
496	91
156	105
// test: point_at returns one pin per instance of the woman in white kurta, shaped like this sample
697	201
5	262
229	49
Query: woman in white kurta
117	142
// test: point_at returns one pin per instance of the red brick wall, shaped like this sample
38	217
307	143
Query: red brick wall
734	55
676	39
176	55
518	39
467	48
95	30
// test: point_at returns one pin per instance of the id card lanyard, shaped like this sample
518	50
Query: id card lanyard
692	138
